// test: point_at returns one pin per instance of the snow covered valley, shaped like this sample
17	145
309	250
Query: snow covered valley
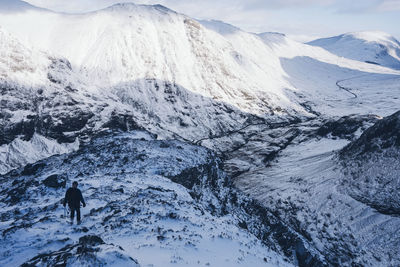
195	143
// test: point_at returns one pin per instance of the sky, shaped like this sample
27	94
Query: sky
302	20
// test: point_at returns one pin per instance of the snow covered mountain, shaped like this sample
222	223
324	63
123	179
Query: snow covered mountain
127	44
372	47
133	66
114	90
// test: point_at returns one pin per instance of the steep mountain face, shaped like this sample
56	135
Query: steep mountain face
44	96
371	47
129	43
126	67
371	166
44	106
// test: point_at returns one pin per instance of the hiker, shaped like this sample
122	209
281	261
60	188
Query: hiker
74	197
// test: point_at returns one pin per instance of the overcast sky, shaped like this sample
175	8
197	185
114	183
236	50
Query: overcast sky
300	19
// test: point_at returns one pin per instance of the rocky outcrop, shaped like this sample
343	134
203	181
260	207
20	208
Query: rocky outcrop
383	135
91	250
370	166
347	126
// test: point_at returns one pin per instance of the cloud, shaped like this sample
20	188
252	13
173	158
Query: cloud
79	6
295	17
366	6
389	5
222	6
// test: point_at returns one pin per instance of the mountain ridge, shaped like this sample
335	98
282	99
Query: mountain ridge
373	47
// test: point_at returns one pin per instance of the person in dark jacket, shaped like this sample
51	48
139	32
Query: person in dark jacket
74	197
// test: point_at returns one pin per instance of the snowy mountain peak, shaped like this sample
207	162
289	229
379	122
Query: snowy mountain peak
371	36
373	47
220	26
14	6
274	37
132	7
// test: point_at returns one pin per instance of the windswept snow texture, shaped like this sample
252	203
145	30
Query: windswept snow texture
134	211
371	47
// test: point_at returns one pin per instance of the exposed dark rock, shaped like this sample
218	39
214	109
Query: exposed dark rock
124	122
384	134
57	68
346	126
88	252
24	128
32	169
91	240
46	125
55	181
18	190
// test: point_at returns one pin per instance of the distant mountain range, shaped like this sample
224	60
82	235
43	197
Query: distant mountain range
372	47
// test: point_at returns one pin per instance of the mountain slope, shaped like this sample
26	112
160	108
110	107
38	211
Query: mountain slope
372	47
346	206
127	43
144	198
45	96
371	166
314	75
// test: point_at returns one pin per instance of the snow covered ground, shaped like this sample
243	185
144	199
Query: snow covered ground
132	205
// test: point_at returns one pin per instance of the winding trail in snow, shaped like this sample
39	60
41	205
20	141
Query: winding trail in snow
348	89
345	88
